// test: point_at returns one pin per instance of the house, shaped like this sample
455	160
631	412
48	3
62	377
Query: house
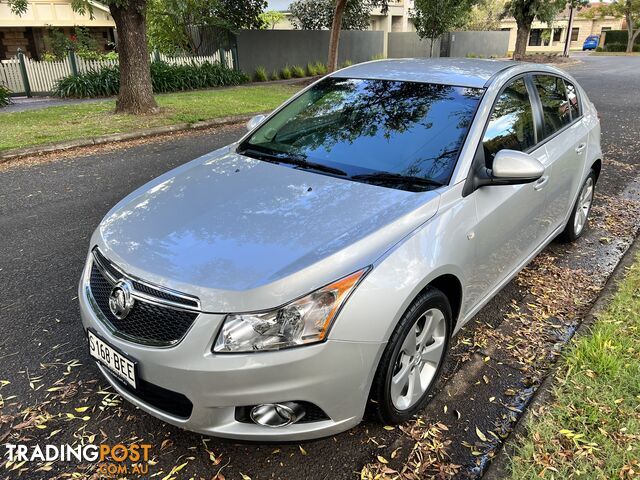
543	37
397	18
551	38
32	31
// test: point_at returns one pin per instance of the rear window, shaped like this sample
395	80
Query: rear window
574	101
362	126
555	105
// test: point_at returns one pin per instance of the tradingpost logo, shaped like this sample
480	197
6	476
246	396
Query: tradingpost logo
113	460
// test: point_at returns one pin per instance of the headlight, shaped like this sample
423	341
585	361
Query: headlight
303	321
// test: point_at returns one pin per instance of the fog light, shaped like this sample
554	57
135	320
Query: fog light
277	414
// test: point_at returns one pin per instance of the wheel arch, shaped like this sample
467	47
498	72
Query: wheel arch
451	286
597	168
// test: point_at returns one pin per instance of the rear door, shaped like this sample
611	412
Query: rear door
565	138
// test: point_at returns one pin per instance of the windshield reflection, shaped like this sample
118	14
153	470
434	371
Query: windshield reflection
366	126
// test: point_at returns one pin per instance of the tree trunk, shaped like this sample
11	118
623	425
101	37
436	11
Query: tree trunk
334	36
136	93
522	38
631	37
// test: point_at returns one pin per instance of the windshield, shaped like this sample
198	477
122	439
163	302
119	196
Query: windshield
398	134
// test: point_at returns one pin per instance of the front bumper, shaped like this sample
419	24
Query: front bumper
334	375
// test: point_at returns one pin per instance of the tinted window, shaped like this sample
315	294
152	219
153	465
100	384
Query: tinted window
555	107
574	103
368	126
511	125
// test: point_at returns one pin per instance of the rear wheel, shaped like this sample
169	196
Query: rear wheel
413	358
581	210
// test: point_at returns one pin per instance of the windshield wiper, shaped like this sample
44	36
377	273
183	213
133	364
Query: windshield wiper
289	159
396	179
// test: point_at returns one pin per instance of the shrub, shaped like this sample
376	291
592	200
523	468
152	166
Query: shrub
261	74
599	49
312	70
620	47
346	63
321	68
286	72
164	78
48	57
5	99
275	75
615	47
298	72
173	78
94	83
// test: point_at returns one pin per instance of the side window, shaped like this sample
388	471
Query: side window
574	102
555	106
511	124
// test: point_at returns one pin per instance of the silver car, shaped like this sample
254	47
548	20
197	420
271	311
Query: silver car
270	289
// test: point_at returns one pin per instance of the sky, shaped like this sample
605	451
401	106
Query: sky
278	4
284	4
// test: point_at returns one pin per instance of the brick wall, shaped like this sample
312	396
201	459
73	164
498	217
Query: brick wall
12	39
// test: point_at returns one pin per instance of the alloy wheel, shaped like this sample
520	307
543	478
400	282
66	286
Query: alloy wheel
584	206
419	359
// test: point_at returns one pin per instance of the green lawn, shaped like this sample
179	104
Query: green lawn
55	124
591	429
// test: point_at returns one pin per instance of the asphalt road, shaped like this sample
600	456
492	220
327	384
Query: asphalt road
47	214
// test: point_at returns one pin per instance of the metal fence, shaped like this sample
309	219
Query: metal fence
24	76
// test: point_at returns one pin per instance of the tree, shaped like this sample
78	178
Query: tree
318	14
136	92
176	25
340	9
432	18
485	16
270	18
629	10
525	12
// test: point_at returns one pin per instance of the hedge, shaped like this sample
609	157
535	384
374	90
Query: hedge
164	78
618	36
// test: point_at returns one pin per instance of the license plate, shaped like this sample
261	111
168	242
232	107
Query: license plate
117	363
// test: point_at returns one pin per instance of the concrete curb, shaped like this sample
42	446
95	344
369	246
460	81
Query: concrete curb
121	137
499	467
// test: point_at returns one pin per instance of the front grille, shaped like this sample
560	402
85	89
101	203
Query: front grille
168	401
146	323
141	287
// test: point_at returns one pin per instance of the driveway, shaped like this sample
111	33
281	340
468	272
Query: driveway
48	211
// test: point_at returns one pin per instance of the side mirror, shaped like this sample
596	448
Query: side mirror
255	121
510	167
516	167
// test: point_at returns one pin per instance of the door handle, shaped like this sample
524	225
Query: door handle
580	148
539	185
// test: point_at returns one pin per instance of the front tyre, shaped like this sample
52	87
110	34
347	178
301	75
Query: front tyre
580	213
413	358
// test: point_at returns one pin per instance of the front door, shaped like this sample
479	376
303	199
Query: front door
511	220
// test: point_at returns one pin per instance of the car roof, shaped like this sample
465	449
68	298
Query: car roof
463	72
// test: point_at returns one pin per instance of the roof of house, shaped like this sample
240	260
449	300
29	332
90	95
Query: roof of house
56	13
463	72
